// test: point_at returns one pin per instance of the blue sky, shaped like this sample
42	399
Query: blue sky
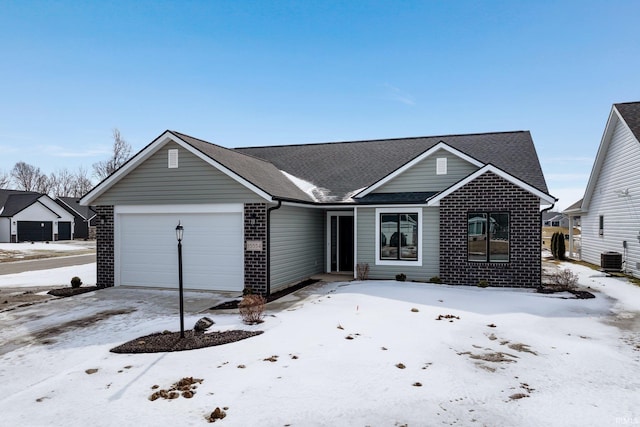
244	73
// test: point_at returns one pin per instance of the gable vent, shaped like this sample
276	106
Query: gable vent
441	166
173	158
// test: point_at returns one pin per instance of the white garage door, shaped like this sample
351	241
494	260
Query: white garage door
212	250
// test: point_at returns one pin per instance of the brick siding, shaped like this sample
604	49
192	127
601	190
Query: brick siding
491	193
104	246
255	262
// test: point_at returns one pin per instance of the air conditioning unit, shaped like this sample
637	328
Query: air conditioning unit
611	261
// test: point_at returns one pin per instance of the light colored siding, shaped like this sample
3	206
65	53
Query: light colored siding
366	249
297	245
423	177
5	230
194	181
620	171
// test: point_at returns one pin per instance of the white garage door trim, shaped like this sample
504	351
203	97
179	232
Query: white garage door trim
213	252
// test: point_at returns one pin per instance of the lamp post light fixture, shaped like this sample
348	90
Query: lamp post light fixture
179	234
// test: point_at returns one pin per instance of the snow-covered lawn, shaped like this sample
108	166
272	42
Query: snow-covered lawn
58	277
345	354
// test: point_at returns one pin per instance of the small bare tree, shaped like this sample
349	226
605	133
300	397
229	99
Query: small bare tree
61	183
5	180
121	153
28	178
82	183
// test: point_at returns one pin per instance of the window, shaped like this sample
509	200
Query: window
398	240
601	226
488	236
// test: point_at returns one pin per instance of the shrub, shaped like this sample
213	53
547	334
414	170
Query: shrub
252	309
435	279
401	277
76	282
483	283
564	280
558	247
362	271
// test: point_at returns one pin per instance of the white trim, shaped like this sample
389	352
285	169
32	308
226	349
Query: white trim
355	243
441	166
172	158
439	146
544	197
165	209
418	262
151	149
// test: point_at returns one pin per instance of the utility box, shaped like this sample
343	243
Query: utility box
611	261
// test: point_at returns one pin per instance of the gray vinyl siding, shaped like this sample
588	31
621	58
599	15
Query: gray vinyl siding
194	181
297	245
423	177
621	213
367	253
5	230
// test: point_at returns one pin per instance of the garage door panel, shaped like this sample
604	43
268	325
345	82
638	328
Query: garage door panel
212	250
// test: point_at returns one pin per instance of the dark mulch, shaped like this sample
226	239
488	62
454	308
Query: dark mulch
170	341
228	305
577	294
69	292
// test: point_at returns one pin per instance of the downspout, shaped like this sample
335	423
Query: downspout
273	208
540	236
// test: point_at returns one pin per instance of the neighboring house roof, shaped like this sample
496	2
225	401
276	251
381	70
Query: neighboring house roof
345	167
336	172
575	207
72	204
14	201
629	114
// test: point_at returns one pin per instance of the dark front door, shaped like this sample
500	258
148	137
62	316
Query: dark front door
341	243
35	231
64	231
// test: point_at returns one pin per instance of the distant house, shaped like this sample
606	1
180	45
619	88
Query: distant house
35	217
610	210
84	217
465	208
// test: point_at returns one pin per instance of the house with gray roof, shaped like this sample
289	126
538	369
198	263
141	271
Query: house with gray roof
609	212
463	208
84	217
29	216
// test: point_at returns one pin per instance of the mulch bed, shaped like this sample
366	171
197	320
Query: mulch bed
170	341
69	292
577	294
228	305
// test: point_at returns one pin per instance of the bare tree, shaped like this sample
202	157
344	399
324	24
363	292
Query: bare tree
82	183
121	153
5	179
61	183
28	178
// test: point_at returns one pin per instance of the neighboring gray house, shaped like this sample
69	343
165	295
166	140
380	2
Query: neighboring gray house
30	216
84	217
555	219
610	210
464	208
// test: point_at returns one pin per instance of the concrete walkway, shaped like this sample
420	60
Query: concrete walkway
45	263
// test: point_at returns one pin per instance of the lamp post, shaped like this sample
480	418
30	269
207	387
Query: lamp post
179	234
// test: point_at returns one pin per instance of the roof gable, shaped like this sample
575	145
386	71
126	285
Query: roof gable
14	201
626	115
404	168
544	197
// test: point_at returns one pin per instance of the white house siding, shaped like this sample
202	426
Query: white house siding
367	253
5	230
193	181
297	245
620	171
423	177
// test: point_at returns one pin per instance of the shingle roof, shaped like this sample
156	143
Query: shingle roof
14	201
73	202
259	172
344	167
630	112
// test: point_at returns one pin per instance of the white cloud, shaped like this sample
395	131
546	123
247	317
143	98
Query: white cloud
58	151
395	94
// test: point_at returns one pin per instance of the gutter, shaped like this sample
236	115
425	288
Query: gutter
273	208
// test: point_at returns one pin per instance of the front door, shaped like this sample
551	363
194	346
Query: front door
340	239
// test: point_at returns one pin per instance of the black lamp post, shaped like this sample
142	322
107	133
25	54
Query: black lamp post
179	233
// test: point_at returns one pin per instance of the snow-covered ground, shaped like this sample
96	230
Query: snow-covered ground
58	277
343	354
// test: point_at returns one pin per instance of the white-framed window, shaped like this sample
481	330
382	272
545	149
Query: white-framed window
441	166
399	236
